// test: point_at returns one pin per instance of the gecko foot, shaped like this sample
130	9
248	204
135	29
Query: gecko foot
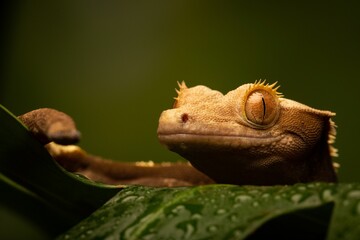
49	125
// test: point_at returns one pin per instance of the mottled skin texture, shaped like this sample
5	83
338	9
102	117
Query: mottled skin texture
251	135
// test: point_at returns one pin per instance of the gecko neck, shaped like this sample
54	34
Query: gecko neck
320	164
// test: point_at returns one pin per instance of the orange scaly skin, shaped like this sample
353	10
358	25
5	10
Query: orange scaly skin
251	135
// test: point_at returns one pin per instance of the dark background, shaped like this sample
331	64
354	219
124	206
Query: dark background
113	65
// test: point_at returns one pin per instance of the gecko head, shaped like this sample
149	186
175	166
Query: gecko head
249	135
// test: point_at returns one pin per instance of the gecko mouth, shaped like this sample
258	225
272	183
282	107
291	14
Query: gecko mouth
208	141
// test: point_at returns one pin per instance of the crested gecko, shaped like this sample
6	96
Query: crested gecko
249	136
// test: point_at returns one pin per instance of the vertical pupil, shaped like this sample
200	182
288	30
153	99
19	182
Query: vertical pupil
264	107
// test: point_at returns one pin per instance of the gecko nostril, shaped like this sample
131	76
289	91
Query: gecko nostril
184	117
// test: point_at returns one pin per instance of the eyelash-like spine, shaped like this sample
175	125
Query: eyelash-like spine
261	84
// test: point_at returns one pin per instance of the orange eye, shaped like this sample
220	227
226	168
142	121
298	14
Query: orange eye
261	107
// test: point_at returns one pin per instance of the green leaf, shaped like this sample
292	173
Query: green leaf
24	215
345	222
302	211
26	166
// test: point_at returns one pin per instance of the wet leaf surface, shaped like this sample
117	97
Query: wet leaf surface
225	212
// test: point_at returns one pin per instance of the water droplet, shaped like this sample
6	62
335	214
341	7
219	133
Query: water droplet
130	198
213	228
234	218
67	236
301	188
242	198
265	195
327	195
357	209
196	216
237	234
296	198
311	185
220	211
312	199
189	231
254	192
277	197
128	192
255	204
178	209
140	198
354	194
149	236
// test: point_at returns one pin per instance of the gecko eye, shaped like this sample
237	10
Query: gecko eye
261	107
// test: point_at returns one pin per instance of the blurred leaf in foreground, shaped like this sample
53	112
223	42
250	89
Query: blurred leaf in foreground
28	171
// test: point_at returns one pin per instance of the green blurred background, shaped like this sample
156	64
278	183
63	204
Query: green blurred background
113	65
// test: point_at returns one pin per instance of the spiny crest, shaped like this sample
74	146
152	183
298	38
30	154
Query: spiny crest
331	139
182	86
261	84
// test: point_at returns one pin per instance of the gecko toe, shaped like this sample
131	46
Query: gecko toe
63	132
65	137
